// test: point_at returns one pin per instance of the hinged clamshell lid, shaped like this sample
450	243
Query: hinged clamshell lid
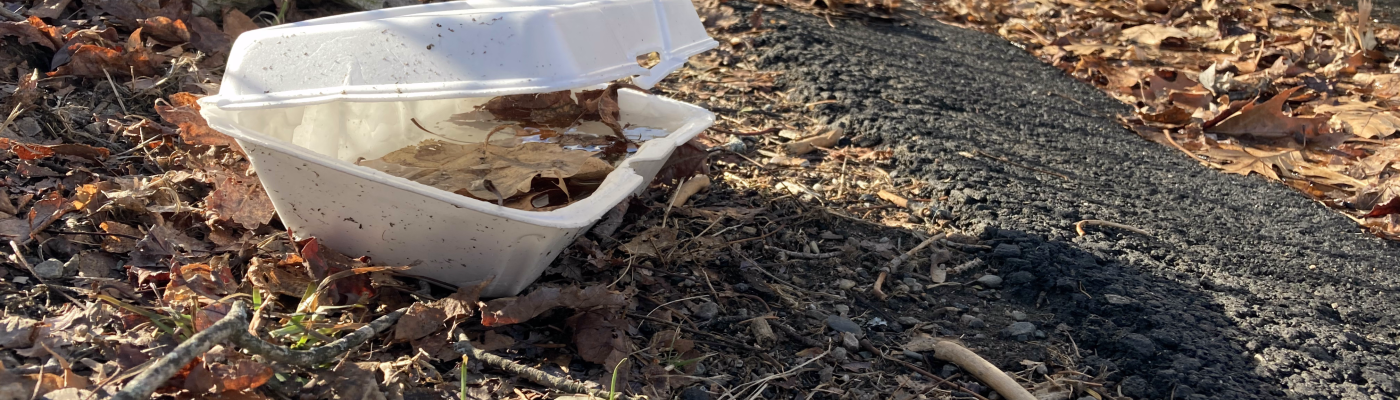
473	48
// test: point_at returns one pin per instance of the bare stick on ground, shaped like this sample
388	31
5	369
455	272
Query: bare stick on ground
464	346
11	15
895	263
1079	226
999	381
809	256
234	327
939	380
794	334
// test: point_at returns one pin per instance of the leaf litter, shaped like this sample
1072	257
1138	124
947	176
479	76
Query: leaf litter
1249	87
137	226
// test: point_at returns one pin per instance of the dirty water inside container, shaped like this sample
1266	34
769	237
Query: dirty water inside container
532	152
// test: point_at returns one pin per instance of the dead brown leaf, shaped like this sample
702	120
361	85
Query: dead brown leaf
183	111
167	31
132	60
651	243
33	31
599	338
487	171
1362	119
206	36
1267	121
241	200
1262	162
236	22
420	321
514	310
1153	35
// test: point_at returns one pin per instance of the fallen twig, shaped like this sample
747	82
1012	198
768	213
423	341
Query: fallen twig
464	346
753	133
11	15
792	333
955	353
691	186
809	256
916	207
762	384
879	282
965	247
234	327
871	348
1079	226
894	264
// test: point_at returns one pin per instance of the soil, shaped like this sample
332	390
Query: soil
1245	289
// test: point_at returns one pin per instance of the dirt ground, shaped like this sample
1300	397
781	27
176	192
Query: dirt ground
1244	289
765	285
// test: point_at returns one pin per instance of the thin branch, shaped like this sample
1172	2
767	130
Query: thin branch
319	355
1079	226
994	377
871	348
464	346
234	327
792	333
156	375
809	256
11	15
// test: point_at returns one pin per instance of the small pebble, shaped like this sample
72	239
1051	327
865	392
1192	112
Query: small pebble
910	281
842	309
49	269
695	393
1006	251
707	310
736	145
991	281
915	287
1017	315
845	284
911	321
913	356
1117	300
842	324
901	288
849	340
839	354
1020	331
973	322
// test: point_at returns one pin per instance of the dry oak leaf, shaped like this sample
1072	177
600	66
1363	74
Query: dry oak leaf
1267	121
241	200
1262	162
236	22
1390	207
600	338
465	168
1153	35
165	30
514	310
420	321
33	31
183	111
1362	119
133	59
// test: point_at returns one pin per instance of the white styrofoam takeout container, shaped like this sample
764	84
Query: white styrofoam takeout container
306	100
